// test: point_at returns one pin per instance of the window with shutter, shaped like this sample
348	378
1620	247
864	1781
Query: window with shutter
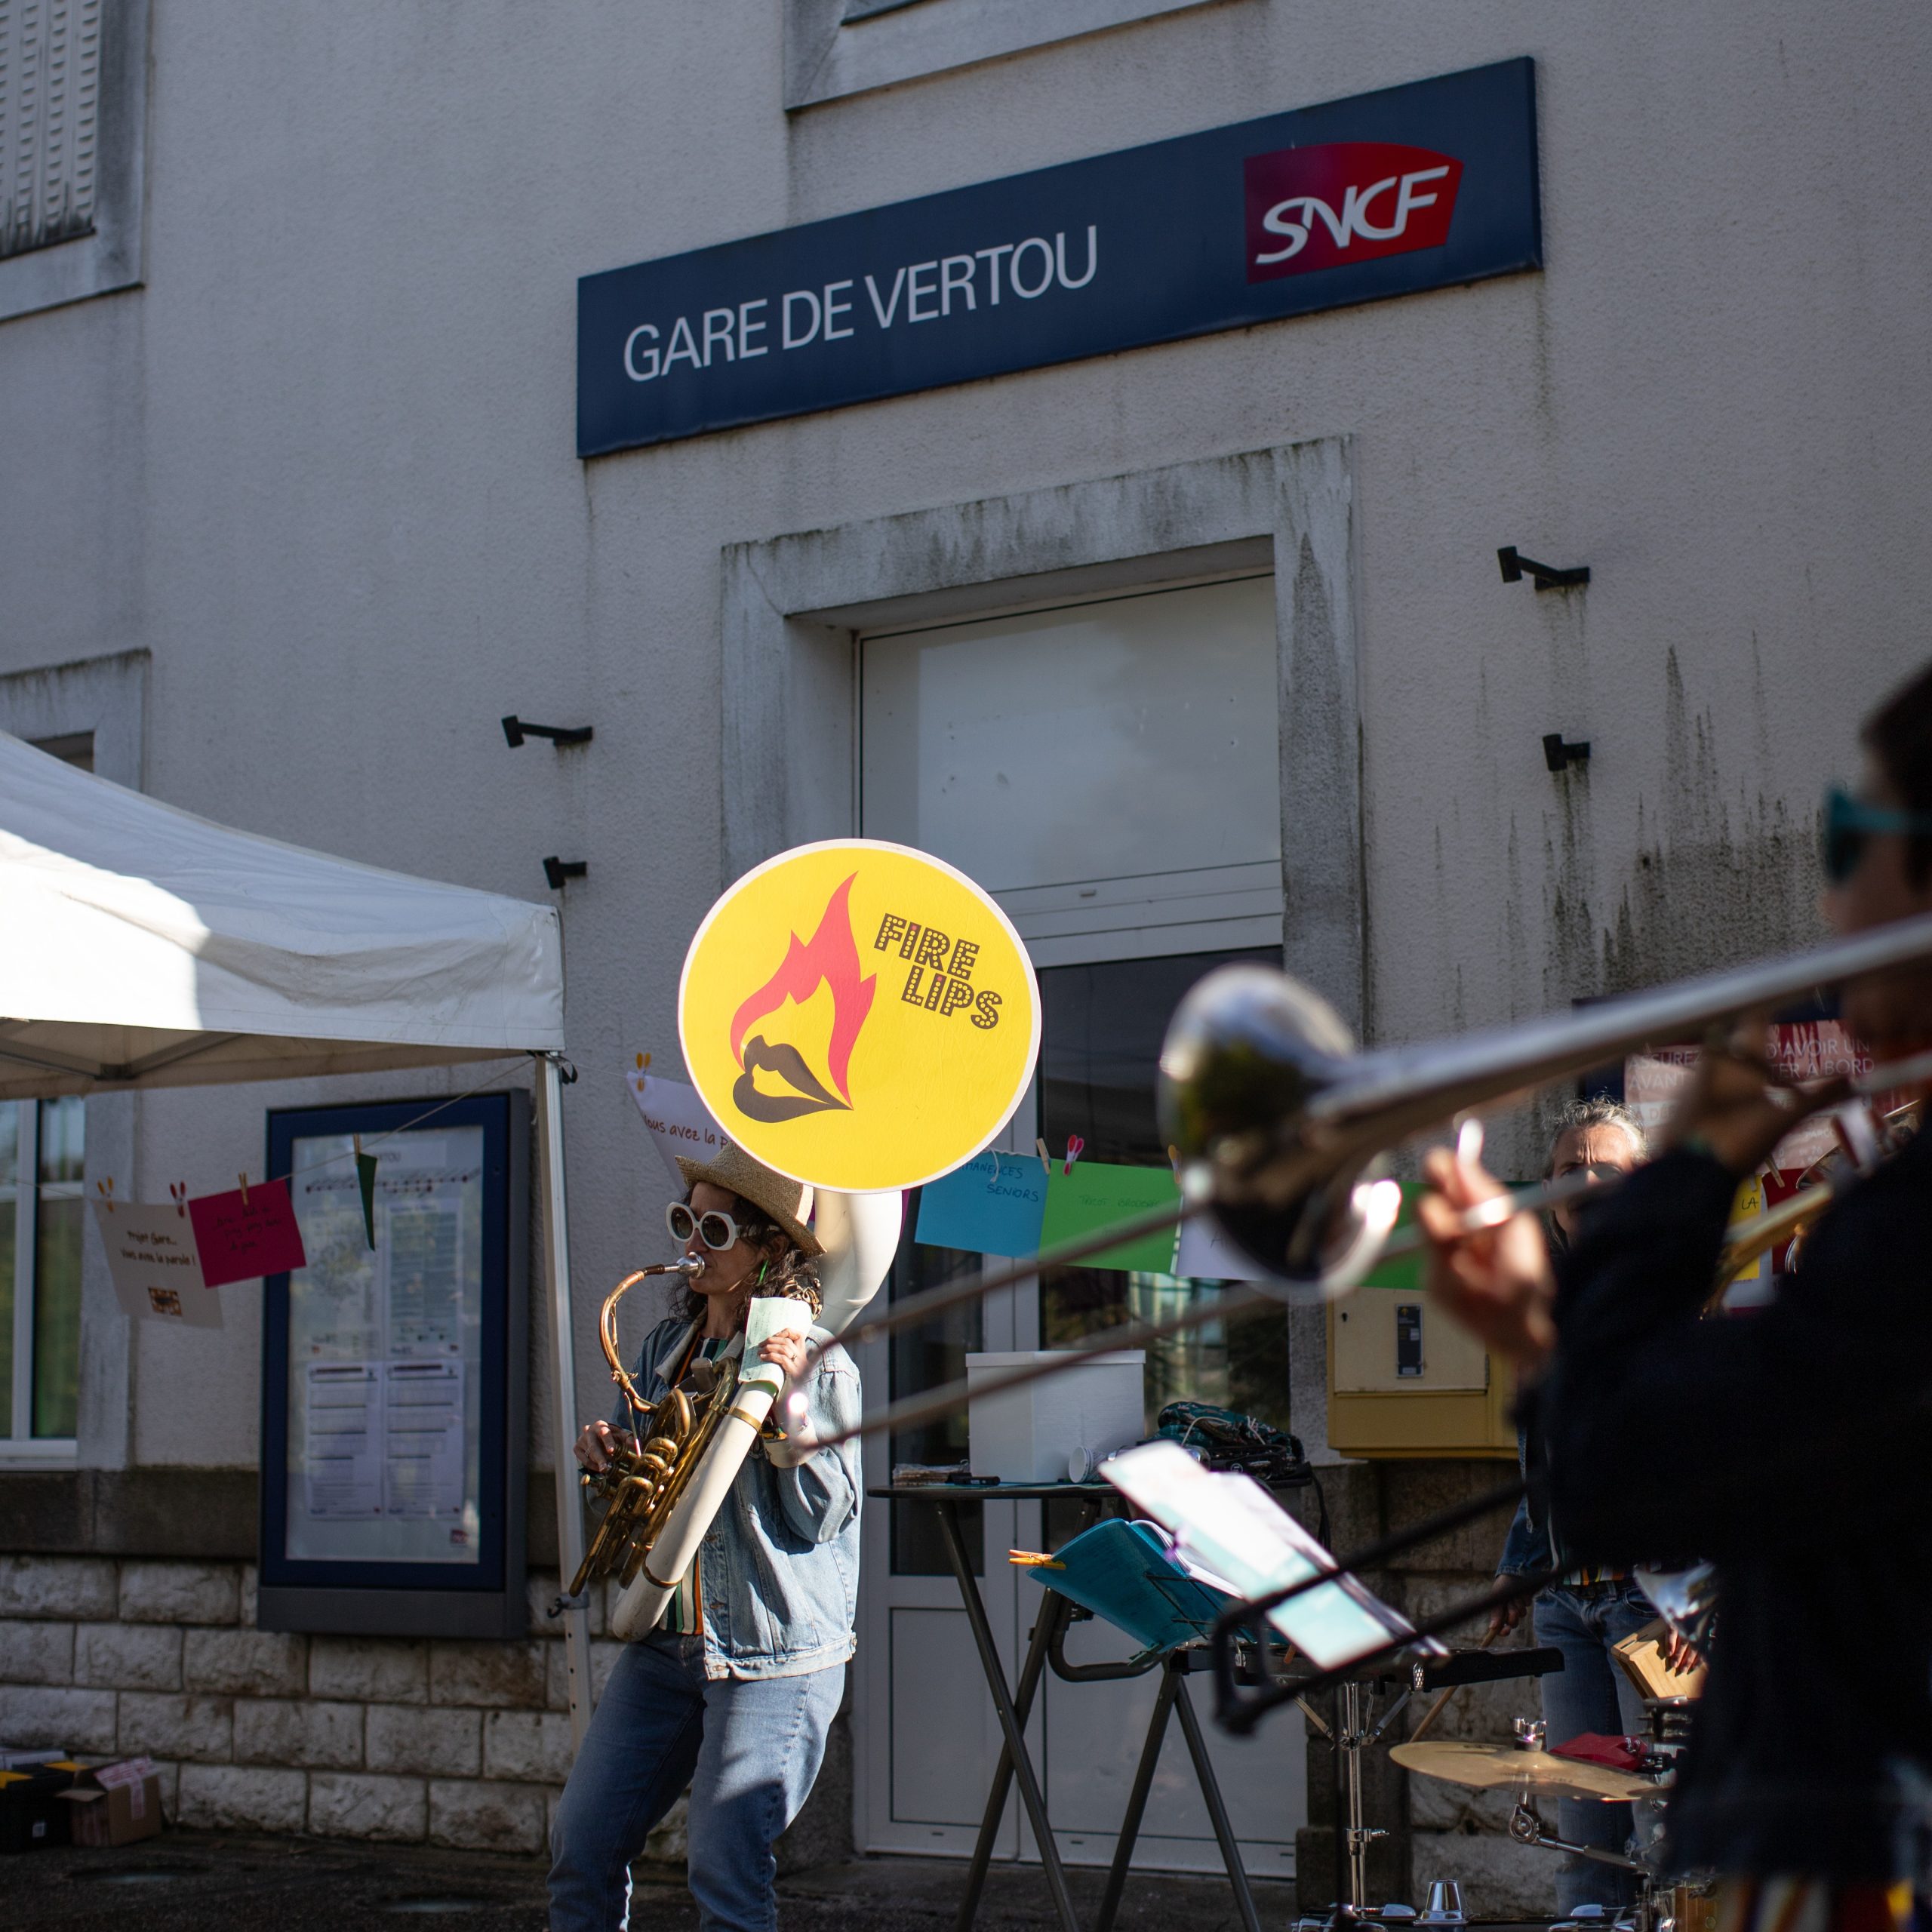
835	48
50	120
73	106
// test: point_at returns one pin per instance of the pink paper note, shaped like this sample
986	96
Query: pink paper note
237	1242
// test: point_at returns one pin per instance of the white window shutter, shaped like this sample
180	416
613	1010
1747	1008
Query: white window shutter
50	117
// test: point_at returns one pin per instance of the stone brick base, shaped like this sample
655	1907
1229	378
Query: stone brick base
452	1743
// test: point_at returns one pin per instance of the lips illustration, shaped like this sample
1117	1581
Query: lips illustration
829	958
809	1096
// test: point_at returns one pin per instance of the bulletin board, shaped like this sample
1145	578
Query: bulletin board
393	1381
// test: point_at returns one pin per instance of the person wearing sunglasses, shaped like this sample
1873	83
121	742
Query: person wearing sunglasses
1788	1444
735	1692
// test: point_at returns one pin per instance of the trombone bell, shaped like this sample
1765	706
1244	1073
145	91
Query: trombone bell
1248	1050
1275	1115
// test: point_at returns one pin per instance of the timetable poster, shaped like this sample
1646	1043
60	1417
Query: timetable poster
384	1351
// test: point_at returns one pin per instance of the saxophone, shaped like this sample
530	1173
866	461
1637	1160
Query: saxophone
646	1478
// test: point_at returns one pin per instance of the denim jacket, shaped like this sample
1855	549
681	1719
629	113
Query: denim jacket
1527	1547
779	1568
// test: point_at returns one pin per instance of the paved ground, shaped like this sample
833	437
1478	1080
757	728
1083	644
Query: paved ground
188	1881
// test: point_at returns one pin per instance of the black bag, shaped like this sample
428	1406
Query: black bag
1225	1439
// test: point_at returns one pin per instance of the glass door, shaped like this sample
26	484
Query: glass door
927	1735
1109	771
1100	1040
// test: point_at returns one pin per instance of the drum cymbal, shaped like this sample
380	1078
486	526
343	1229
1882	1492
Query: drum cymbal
1504	1766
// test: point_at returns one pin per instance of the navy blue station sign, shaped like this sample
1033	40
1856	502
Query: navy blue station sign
1416	187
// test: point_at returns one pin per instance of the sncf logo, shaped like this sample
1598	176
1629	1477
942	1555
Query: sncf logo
1323	207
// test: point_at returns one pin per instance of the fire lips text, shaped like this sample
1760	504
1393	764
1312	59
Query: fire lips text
941	978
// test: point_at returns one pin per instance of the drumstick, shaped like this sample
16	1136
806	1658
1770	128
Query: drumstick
1435	1710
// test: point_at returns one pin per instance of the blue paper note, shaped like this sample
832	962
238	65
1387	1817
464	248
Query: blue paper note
992	1205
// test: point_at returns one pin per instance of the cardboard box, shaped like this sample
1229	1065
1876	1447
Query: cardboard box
33	1813
1031	1434
115	1804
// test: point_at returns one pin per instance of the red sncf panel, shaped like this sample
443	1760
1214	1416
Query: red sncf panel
1324	208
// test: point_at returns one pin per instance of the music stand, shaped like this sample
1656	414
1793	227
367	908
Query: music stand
1045	1651
1121	1573
1270	1574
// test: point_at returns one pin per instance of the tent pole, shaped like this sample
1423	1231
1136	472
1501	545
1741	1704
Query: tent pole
563	1385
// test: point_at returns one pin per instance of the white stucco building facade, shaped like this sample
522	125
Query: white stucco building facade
294	514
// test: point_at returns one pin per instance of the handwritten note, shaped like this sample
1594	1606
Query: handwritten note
238	1239
1205	1254
992	1205
1096	1195
156	1271
679	1121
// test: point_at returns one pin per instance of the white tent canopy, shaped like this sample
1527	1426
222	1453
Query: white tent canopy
141	946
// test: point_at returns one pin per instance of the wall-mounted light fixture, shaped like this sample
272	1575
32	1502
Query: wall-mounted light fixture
557	870
1516	566
1559	752
515	731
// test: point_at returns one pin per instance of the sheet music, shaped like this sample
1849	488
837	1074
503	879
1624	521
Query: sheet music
1231	1534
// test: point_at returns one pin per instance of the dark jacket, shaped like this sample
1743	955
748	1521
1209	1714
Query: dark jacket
1793	1447
1532	1542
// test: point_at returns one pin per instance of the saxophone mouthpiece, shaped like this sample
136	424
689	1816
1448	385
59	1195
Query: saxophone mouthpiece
686	1265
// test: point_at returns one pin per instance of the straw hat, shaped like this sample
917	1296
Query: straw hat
788	1202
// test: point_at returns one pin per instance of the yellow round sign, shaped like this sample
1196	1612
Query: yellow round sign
859	1015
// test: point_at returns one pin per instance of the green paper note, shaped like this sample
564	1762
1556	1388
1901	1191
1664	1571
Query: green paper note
1404	1272
1095	1195
365	1180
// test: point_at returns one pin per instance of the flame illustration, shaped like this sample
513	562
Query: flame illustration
829	957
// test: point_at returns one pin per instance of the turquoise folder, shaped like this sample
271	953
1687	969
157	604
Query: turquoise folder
1122	1572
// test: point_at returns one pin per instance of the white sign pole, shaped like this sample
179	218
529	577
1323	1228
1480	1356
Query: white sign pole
563	1386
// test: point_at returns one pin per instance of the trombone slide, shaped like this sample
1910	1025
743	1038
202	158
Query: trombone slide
1268	1102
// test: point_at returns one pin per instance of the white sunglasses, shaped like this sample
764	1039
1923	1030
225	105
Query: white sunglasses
716	1228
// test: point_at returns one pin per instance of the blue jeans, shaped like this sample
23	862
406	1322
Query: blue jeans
1591	1693
749	1748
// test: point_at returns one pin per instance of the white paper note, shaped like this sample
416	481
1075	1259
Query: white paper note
769	1315
679	1121
343	1453
422	1459
1205	1254
151	1256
